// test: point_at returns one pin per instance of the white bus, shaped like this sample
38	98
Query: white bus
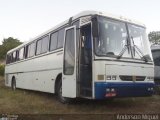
92	55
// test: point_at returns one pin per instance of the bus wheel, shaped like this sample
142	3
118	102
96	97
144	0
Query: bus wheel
13	84
59	94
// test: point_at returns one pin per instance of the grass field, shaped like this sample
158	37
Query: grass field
30	102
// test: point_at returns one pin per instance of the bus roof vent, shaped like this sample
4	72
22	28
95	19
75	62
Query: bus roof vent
85	20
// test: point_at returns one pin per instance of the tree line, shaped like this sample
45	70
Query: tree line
8	44
154	37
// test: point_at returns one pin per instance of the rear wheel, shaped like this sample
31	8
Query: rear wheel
59	94
13	84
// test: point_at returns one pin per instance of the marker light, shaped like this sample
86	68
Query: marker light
108	77
100	77
113	77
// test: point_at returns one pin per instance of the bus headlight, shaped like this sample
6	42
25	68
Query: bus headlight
108	77
111	77
114	77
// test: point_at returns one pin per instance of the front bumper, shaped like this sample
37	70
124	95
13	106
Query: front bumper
127	89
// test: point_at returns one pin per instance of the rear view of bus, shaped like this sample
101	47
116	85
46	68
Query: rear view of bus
122	63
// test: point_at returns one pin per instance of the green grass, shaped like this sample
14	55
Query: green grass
31	102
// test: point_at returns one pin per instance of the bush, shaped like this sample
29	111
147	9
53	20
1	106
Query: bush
2	70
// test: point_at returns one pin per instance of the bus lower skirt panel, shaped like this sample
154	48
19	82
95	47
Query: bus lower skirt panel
104	90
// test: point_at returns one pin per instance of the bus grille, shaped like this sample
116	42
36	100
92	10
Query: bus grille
131	78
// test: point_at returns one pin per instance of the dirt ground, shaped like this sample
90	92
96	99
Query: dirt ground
31	102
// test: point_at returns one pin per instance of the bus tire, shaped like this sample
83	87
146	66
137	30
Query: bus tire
62	99
13	84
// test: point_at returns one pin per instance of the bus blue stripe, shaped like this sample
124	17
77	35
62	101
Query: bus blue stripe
123	89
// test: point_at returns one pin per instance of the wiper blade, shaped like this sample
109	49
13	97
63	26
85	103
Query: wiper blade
124	48
122	52
142	55
139	51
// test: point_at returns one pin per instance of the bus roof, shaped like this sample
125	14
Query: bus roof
84	13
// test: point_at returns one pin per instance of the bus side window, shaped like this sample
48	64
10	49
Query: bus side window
44	43
30	51
14	56
8	58
11	60
26	52
17	55
53	41
60	38
38	47
21	54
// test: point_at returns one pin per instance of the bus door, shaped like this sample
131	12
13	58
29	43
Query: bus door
85	70
69	64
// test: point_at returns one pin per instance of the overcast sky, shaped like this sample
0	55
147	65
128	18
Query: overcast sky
25	19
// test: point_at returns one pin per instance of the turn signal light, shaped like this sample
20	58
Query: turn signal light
100	77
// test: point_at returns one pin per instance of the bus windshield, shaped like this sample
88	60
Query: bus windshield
113	38
139	41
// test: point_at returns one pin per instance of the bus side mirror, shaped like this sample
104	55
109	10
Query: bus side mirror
94	27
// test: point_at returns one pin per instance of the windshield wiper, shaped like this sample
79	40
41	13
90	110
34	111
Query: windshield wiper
124	49
122	52
139	51
142	55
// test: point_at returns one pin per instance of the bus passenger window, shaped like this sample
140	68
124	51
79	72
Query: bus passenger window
13	56
45	41
8	59
21	53
39	44
53	42
17	55
60	38
30	50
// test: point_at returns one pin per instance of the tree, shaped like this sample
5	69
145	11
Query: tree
8	44
154	37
